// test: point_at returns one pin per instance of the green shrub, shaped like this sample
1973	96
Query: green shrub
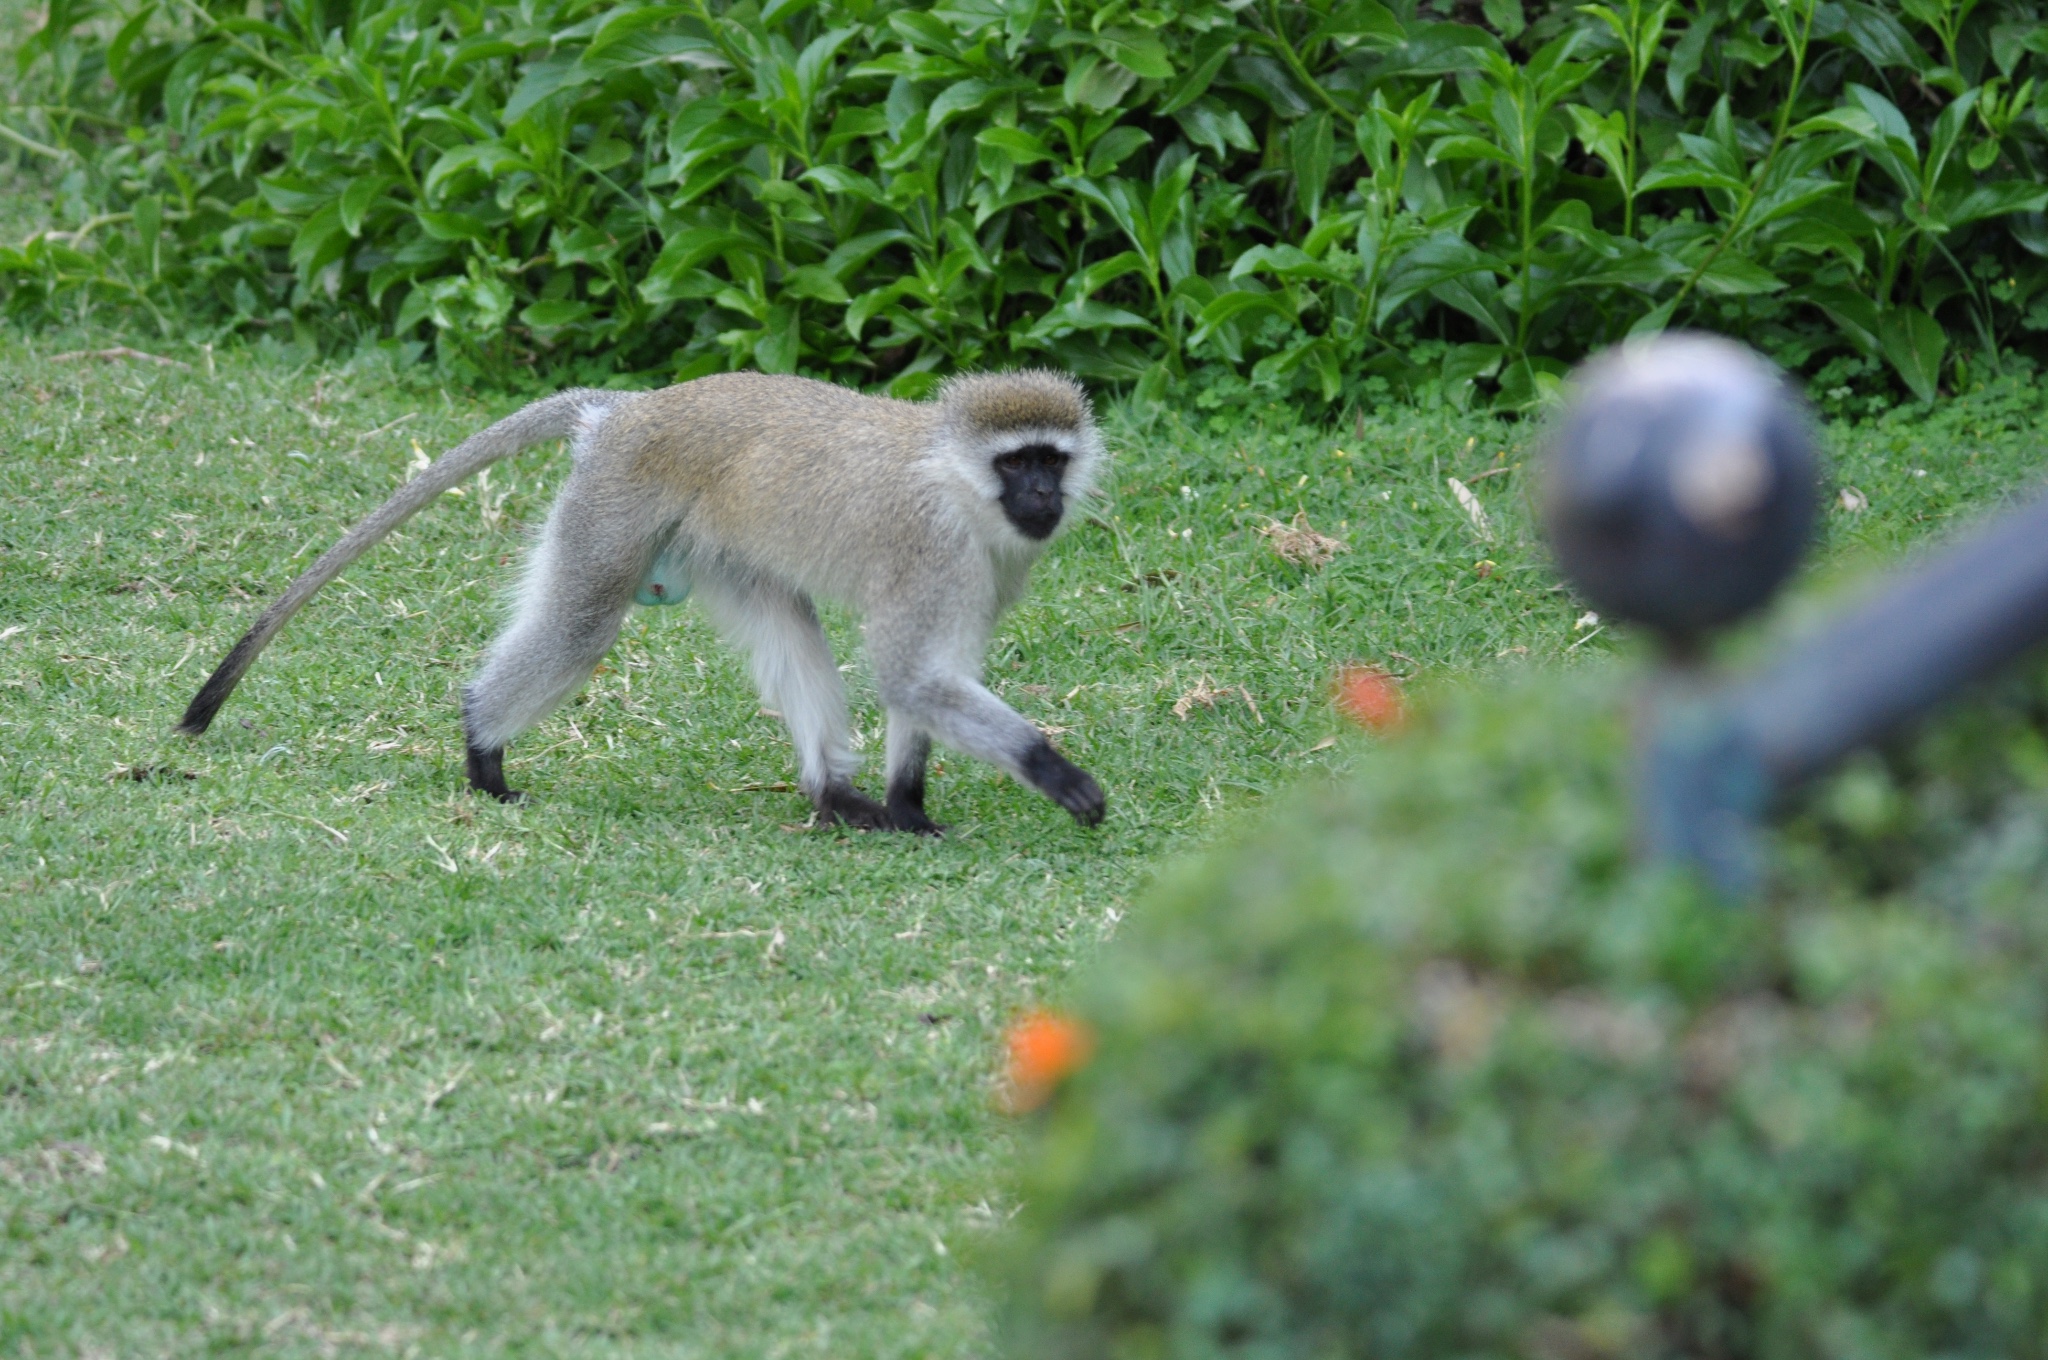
1345	197
1428	1068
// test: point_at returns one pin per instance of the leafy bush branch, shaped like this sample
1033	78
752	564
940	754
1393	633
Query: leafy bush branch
1343	197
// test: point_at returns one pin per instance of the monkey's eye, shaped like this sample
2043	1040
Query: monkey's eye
1032	457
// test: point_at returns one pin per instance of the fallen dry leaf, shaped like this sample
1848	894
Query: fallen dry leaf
1474	511
1206	692
1300	545
1203	692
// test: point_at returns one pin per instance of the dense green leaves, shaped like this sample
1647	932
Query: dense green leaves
1346	197
1426	1067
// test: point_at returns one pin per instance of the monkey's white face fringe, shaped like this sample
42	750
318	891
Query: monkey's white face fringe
983	419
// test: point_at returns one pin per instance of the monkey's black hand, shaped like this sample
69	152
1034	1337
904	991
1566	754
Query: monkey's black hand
1066	783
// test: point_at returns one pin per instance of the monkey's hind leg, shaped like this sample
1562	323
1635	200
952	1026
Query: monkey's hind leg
579	582
910	749
794	670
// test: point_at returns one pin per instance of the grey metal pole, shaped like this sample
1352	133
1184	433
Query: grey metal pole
1680	489
1955	617
1679	492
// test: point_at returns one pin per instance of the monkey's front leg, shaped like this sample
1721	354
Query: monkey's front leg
1066	783
910	749
794	670
963	713
487	774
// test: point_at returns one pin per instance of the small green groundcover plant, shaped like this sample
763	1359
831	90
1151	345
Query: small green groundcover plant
1428	1067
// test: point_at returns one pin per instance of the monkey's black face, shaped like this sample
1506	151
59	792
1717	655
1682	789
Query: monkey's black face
1032	496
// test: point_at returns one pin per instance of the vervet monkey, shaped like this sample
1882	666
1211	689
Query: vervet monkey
762	493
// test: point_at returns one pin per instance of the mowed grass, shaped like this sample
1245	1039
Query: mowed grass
303	1050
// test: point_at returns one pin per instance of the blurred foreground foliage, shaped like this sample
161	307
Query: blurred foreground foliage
1344	199
1427	1067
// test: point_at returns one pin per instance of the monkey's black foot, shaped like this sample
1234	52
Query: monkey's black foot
906	808
844	805
904	818
1066	783
487	775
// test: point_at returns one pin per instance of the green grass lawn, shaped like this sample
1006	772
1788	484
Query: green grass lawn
304	1050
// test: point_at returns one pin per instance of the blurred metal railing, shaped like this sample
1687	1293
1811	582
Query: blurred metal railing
1681	491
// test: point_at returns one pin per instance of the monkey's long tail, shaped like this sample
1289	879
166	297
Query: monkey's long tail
555	417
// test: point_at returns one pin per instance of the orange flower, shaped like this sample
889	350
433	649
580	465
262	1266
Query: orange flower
1370	697
1045	1049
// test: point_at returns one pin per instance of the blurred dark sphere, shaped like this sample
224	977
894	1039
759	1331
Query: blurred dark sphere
1679	489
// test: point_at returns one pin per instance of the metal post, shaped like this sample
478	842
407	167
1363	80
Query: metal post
1680	487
